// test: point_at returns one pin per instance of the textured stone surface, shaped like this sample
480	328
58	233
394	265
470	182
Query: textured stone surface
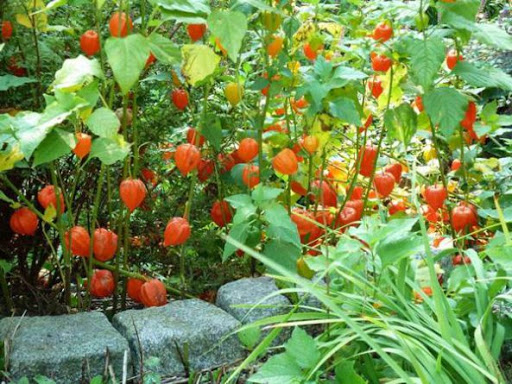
65	348
167	332
240	297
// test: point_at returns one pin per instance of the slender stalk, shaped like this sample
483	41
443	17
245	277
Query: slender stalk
381	139
38	54
135	275
27	202
65	251
5	291
95	210
441	171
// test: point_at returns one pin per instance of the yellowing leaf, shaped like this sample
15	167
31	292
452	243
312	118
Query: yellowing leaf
7	160
400	71
334	29
306	30
40	20
199	62
50	213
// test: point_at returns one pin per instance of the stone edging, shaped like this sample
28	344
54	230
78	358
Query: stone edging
184	335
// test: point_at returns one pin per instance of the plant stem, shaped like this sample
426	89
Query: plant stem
381	139
92	229
25	200
65	251
138	276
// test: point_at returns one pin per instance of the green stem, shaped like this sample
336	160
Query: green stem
25	200
381	139
60	226
135	275
441	171
5	291
92	229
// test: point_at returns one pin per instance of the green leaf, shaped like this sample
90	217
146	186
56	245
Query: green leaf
58	143
96	380
283	253
302	348
90	93
103	122
230	27
446	107
239	233
493	35
127	57
186	11
279	369
11	81
457	10
239	201
5	266
39	379
212	130
110	150
348	73
401	123
499	251
346	374
281	226
261	193
75	73
164	49
396	247
31	128
426	59
199	62
254	3
345	109
249	337
485	76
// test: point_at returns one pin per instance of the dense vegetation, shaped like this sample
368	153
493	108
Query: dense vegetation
360	151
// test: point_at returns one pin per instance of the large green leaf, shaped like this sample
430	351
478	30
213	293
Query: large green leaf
347	374
401	123
127	57
465	9
164	49
426	59
254	3
104	123
280	225
446	107
239	233
302	347
230	27
485	76
75	73
58	143
261	194
284	253
11	81
345	109
185	11
110	151
31	128
279	369
396	247
212	130
493	35
199	62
